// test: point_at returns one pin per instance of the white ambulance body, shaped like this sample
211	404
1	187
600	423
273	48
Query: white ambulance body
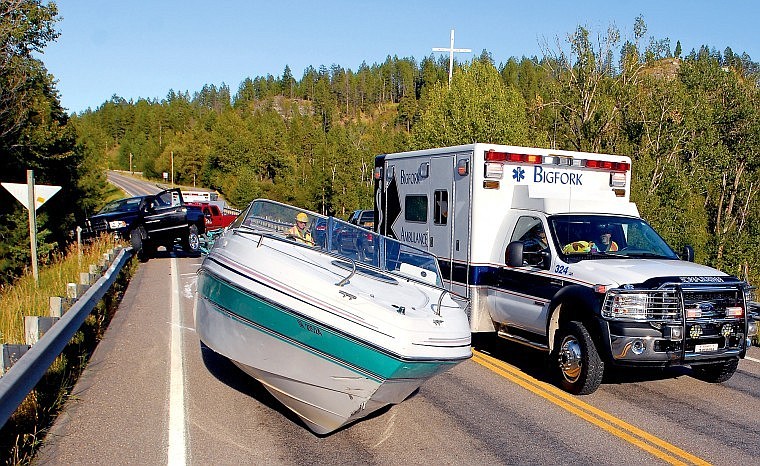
200	196
588	300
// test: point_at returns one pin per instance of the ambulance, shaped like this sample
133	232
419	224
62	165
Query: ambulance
200	196
550	252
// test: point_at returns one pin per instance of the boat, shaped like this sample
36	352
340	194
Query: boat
334	328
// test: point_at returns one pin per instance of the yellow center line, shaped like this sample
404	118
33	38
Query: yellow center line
630	433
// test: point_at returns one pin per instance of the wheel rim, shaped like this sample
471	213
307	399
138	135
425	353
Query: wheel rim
194	242
570	359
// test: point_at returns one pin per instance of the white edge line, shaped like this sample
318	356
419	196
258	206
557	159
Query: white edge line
176	453
752	359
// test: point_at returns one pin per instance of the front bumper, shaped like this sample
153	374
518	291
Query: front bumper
89	234
645	343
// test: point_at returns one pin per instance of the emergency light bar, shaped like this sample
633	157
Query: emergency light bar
494	156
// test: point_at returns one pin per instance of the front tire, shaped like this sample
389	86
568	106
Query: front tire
715	373
193	242
138	246
579	368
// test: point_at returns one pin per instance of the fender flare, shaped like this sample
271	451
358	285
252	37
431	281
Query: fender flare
573	302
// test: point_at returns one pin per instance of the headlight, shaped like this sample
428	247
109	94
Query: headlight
116	224
627	306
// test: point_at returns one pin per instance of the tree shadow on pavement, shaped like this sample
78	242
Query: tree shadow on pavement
539	365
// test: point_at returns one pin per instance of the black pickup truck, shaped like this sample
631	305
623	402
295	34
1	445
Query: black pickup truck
149	222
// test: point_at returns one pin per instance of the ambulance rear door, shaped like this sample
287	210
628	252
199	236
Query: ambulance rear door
450	219
441	223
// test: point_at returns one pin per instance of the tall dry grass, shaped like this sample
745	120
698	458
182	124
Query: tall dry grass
24	298
22	435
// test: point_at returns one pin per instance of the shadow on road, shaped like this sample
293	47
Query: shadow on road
234	377
539	365
177	251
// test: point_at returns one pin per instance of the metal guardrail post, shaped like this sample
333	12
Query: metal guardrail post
11	354
22	377
35	327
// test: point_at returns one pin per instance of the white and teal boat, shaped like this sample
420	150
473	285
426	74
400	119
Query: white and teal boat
333	330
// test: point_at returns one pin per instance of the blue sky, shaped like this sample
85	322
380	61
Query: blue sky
144	48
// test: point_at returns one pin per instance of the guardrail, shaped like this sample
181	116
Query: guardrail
22	377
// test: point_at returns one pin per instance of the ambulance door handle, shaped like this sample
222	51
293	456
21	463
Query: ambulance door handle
457	245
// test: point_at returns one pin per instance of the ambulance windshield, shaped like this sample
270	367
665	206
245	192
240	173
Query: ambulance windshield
601	236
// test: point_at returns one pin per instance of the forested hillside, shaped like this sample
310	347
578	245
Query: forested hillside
689	121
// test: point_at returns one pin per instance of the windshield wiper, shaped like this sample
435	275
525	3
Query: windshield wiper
597	255
649	255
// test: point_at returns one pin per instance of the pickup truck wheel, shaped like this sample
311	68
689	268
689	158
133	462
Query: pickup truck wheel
135	238
193	242
715	373
580	368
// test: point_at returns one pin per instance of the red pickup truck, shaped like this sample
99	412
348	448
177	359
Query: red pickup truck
214	216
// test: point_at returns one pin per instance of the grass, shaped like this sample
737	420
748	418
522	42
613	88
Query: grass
24	298
23	433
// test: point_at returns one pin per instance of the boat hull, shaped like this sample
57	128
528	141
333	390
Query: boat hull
327	376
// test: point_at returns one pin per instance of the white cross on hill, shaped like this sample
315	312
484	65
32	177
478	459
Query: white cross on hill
451	51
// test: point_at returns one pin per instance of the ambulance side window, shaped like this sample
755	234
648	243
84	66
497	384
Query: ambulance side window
530	231
415	208
441	207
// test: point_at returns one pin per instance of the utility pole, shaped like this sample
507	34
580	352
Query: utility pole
451	51
172	169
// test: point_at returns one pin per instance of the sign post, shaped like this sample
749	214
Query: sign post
32	224
32	198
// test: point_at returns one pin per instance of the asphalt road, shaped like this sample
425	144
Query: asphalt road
485	411
132	186
153	394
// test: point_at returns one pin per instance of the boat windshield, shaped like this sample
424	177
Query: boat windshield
335	236
581	237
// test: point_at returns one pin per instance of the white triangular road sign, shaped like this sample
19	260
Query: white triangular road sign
42	193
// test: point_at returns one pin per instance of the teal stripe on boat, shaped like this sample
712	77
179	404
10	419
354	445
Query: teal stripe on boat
324	341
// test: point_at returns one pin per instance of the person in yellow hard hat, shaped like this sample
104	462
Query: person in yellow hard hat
299	232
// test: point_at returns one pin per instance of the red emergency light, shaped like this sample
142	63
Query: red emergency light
493	156
607	165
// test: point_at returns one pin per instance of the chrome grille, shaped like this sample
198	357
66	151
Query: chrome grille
712	303
95	227
665	303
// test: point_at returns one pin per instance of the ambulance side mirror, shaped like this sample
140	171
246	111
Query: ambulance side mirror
687	253
547	259
514	255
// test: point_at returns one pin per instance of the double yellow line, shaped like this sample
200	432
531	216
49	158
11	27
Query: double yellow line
647	442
